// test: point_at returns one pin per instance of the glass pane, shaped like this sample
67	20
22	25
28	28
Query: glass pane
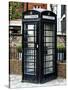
30	27
49	57
30	44
46	26
49	33
48	39
48	64
49	45
30	39
29	65
29	71
50	51
30	33
53	27
30	52
49	70
28	58
49	26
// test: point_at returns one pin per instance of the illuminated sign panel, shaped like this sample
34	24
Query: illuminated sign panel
30	16
48	17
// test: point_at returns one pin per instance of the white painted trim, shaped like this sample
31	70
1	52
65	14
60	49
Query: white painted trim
48	17
63	17
16	22
30	16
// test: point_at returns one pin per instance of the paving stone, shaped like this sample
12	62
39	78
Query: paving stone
15	82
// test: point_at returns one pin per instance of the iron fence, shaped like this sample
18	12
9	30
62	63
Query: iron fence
61	54
15	47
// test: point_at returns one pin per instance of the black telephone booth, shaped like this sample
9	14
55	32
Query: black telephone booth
39	46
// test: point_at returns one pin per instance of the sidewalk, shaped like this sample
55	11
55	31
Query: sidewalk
15	82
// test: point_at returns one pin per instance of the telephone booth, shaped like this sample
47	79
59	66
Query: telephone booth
39	46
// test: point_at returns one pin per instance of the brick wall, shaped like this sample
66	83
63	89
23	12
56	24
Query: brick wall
34	5
61	69
15	67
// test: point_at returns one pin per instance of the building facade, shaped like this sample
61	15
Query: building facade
60	10
29	6
63	18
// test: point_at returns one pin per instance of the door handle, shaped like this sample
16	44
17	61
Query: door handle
37	45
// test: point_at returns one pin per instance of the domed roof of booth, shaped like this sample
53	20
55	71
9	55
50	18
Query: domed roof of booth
42	10
39	10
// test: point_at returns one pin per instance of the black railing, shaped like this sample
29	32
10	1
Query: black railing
61	54
15	46
14	54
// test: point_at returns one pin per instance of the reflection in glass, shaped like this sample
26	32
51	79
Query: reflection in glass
29	65
48	33
49	26
30	39
48	39
48	64
49	45
30	44
46	26
29	71
30	27
50	51
29	52
53	27
26	58
49	57
30	33
48	70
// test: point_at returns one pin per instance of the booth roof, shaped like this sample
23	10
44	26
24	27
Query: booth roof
40	9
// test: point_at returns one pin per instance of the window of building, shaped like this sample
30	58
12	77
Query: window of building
14	29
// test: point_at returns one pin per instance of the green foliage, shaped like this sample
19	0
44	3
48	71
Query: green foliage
60	45
19	48
14	10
